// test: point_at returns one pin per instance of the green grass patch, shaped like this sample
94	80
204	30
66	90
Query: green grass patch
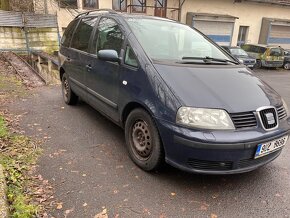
3	129
18	155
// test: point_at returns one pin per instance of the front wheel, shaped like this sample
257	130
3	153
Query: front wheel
287	66
69	96
143	141
258	64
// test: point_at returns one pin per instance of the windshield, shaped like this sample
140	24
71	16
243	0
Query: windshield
166	40
238	52
276	52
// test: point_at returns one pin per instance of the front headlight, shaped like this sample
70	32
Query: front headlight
286	107
241	61
204	118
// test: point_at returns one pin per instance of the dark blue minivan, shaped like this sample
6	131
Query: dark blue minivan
180	97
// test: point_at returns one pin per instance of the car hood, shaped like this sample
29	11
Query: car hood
232	88
244	57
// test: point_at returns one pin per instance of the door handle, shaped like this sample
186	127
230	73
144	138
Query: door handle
89	67
68	59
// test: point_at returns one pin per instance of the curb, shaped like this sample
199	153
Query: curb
3	199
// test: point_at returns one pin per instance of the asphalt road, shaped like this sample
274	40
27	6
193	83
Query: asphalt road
86	161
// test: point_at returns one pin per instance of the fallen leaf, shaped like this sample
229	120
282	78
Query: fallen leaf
59	206
85	204
173	194
203	207
213	215
102	214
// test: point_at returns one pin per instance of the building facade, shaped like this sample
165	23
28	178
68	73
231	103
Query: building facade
228	22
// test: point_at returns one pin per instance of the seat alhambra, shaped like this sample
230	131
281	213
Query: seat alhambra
180	97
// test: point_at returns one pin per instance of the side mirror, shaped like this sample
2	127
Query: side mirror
108	55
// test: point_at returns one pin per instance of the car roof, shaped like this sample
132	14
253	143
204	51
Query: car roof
231	47
121	14
265	46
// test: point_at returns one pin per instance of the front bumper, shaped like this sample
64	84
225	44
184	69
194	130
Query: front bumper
217	152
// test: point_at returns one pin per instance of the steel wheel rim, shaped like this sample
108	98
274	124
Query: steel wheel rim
65	88
141	140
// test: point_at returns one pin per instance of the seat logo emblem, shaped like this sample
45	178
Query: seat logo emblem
270	118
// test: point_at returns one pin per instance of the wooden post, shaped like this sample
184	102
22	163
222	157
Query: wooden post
45	7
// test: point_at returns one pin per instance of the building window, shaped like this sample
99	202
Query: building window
120	5
68	3
139	6
90	4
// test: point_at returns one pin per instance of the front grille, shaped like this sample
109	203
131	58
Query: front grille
244	120
251	162
249	62
281	112
269	118
210	165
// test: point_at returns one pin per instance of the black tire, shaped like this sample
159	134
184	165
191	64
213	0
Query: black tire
258	64
143	141
287	66
69	96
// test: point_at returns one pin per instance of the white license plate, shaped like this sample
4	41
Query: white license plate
269	147
250	66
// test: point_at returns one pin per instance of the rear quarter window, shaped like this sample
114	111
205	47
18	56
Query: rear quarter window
67	36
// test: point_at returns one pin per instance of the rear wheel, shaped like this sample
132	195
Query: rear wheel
143	141
287	66
69	96
258	64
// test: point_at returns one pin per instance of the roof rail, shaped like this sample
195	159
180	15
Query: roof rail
96	10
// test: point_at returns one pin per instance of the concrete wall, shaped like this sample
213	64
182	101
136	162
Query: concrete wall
39	38
12	37
250	14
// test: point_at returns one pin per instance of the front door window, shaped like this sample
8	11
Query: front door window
109	36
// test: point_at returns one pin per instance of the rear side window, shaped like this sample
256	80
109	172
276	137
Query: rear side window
66	38
82	34
262	50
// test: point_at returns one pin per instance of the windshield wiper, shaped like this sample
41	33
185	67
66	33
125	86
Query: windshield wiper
208	59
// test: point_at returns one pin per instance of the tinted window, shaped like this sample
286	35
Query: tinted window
82	34
246	47
130	57
66	38
262	50
109	36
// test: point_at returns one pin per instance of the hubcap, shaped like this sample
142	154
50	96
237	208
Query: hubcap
65	88
142	140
